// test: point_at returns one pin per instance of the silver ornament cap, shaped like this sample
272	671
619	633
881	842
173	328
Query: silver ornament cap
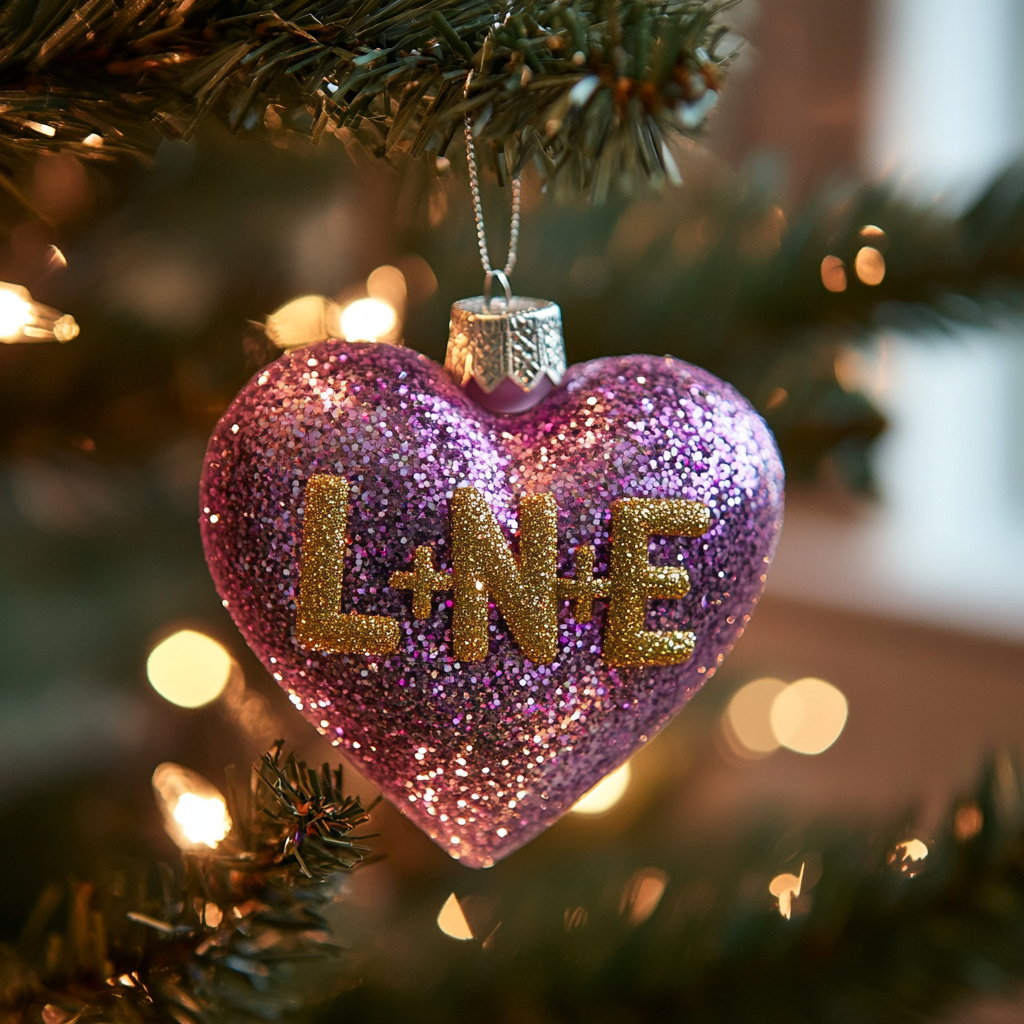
506	353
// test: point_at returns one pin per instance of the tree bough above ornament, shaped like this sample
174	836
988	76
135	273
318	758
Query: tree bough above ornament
589	91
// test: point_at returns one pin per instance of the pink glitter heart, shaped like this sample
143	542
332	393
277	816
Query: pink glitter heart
483	756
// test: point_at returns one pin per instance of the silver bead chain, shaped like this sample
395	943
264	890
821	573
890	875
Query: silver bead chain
478	208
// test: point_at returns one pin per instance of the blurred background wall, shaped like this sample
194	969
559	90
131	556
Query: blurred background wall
946	543
843	85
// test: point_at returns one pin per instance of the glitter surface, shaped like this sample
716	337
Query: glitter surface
484	755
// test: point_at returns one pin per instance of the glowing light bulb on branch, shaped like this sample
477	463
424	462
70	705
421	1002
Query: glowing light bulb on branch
369	319
304	321
22	319
312	318
194	811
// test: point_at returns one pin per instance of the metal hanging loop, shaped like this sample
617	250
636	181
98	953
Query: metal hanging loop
489	280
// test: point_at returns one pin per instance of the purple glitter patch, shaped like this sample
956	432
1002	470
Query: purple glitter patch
484	756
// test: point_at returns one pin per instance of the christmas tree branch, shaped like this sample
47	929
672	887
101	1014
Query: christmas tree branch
588	91
878	927
225	935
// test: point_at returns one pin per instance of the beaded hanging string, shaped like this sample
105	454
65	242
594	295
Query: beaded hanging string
490	273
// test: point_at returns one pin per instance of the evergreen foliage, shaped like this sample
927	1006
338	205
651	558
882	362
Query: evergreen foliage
876	937
225	935
650	931
588	90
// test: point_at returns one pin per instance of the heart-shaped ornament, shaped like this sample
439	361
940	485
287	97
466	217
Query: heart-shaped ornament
488	612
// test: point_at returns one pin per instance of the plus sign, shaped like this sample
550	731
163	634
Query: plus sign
424	581
584	587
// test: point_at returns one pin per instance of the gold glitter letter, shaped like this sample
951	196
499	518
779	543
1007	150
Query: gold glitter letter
320	624
484	567
627	641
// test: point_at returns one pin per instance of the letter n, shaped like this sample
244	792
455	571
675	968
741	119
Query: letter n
485	569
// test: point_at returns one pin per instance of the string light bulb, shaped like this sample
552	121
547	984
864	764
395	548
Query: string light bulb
313	318
369	319
303	321
23	320
194	811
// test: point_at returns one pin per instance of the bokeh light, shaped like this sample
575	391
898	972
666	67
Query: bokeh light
785	888
912	849
368	320
870	265
642	895
452	921
968	822
808	716
909	856
747	718
872	234
387	283
55	259
606	794
15	313
833	274
194	811
189	669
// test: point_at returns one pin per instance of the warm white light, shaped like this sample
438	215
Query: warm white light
15	313
785	888
747	724
24	320
195	813
56	260
606	794
870	265
912	850
833	274
387	283
452	921
642	894
304	321
968	822
189	669
367	320
808	716
204	820
873	234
